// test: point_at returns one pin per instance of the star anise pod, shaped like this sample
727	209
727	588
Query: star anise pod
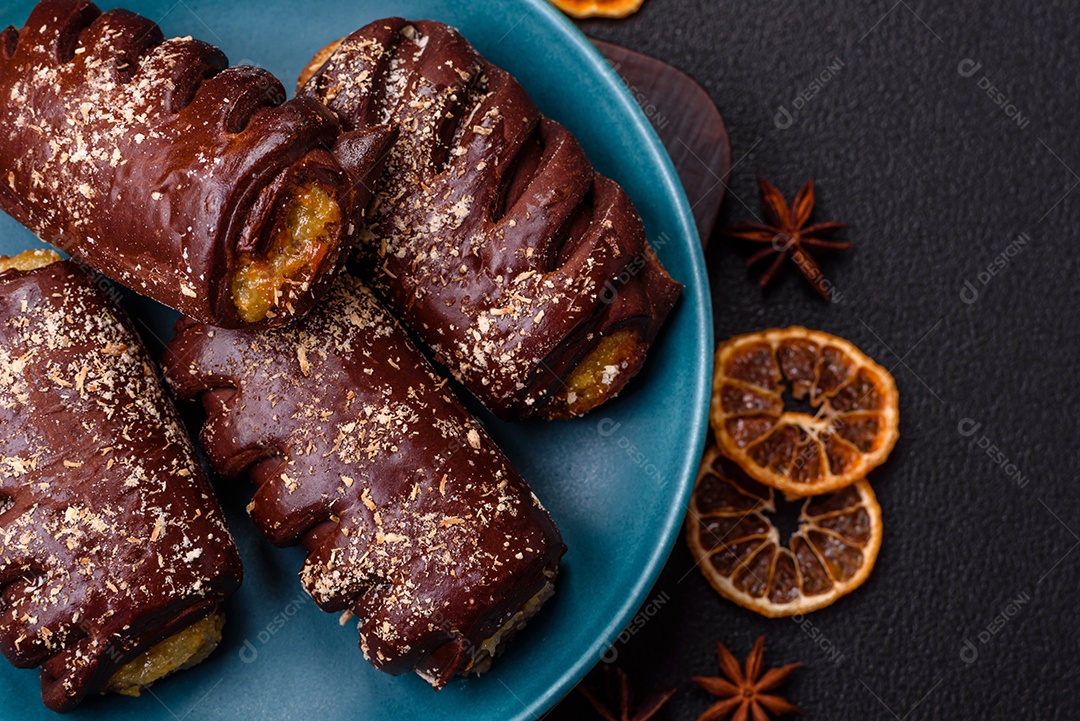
744	693
787	234
625	700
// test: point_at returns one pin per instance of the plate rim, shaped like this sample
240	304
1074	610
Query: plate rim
696	293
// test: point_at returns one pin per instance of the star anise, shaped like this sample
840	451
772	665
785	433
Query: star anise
787	234
625	700
745	694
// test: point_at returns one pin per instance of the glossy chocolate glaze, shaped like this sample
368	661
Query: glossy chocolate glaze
110	537
414	519
148	160
491	235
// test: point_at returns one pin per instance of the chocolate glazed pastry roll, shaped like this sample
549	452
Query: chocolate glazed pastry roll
414	520
151	162
114	556
524	271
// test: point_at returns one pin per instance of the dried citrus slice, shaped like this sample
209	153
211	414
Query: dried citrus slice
739	549
849	426
598	8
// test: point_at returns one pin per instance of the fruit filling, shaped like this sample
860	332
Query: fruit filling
295	253
601	374
183	650
28	260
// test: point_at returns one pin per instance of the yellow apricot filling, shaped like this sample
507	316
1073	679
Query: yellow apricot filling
29	260
183	650
295	251
591	382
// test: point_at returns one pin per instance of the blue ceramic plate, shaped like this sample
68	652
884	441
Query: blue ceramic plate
616	482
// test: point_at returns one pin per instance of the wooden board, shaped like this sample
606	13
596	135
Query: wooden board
688	123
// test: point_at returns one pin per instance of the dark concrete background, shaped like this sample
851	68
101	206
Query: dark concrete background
945	134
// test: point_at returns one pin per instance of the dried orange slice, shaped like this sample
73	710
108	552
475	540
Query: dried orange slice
848	428
739	549
598	8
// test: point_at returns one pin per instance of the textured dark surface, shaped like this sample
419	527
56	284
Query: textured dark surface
937	182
